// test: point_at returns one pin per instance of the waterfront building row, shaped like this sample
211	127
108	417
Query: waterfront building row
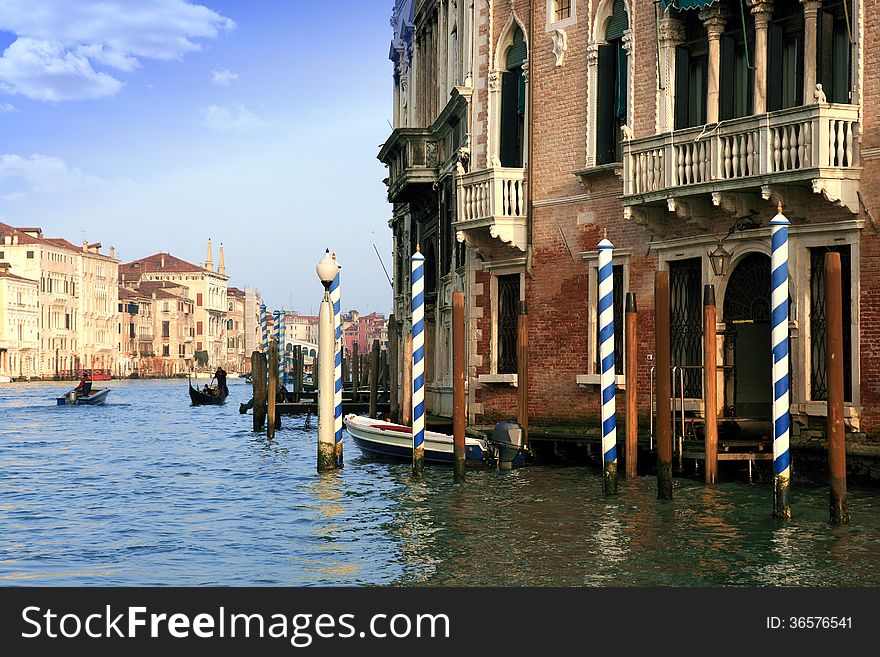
525	128
67	308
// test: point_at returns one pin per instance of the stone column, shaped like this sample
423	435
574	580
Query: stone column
811	12
671	36
714	18
762	10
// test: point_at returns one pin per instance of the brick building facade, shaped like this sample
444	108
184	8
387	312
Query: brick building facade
523	130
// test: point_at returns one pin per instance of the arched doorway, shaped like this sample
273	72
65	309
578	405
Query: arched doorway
747	341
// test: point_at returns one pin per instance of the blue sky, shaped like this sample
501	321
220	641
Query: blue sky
154	124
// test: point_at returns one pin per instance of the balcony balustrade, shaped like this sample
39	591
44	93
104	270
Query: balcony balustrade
815	145
493	200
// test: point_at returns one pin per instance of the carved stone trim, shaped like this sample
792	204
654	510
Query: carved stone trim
560	45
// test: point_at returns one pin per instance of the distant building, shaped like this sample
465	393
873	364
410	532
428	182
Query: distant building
237	358
206	287
253	336
19	324
363	329
97	305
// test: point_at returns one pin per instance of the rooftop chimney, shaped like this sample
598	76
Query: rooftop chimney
113	252
209	263
162	262
221	266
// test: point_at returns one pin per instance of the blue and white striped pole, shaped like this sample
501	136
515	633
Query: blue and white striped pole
418	365
264	325
336	300
282	371
607	371
779	340
276	335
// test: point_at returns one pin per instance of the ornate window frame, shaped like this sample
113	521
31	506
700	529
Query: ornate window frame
565	22
596	39
499	66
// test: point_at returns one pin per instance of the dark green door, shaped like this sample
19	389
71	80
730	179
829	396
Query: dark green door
747	316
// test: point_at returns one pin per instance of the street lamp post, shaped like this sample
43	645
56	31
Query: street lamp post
326	269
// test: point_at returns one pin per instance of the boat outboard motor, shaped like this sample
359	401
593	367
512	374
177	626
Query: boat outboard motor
72	397
507	439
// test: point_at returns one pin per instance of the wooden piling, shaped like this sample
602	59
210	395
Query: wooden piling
522	372
406	382
272	391
258	379
710	384
834	369
374	379
632	378
459	410
664	391
393	406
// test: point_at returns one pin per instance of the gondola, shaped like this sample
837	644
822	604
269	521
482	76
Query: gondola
211	395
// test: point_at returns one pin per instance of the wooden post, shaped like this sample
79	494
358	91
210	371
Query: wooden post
664	392
272	392
374	379
710	384
632	378
522	372
393	407
834	359
258	380
355	373
406	397
459	410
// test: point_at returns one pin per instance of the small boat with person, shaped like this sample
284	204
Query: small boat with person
381	438
84	395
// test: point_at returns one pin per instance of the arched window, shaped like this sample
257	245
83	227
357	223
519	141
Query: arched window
691	73
513	102
611	103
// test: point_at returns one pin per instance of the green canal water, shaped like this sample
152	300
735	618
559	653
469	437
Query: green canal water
150	491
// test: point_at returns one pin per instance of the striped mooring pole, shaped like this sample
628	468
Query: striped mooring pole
336	300
282	353
607	360
276	334
779	340
264	324
418	361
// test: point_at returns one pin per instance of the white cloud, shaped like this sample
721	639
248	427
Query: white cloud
44	71
223	77
7	108
231	118
44	173
60	42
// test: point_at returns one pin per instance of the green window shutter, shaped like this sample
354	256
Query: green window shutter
605	104
618	23
728	77
509	146
620	73
517	53
774	67
682	82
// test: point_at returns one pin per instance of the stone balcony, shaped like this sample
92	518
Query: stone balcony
780	155
412	160
492	209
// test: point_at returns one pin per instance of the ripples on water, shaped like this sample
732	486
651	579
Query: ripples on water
149	491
